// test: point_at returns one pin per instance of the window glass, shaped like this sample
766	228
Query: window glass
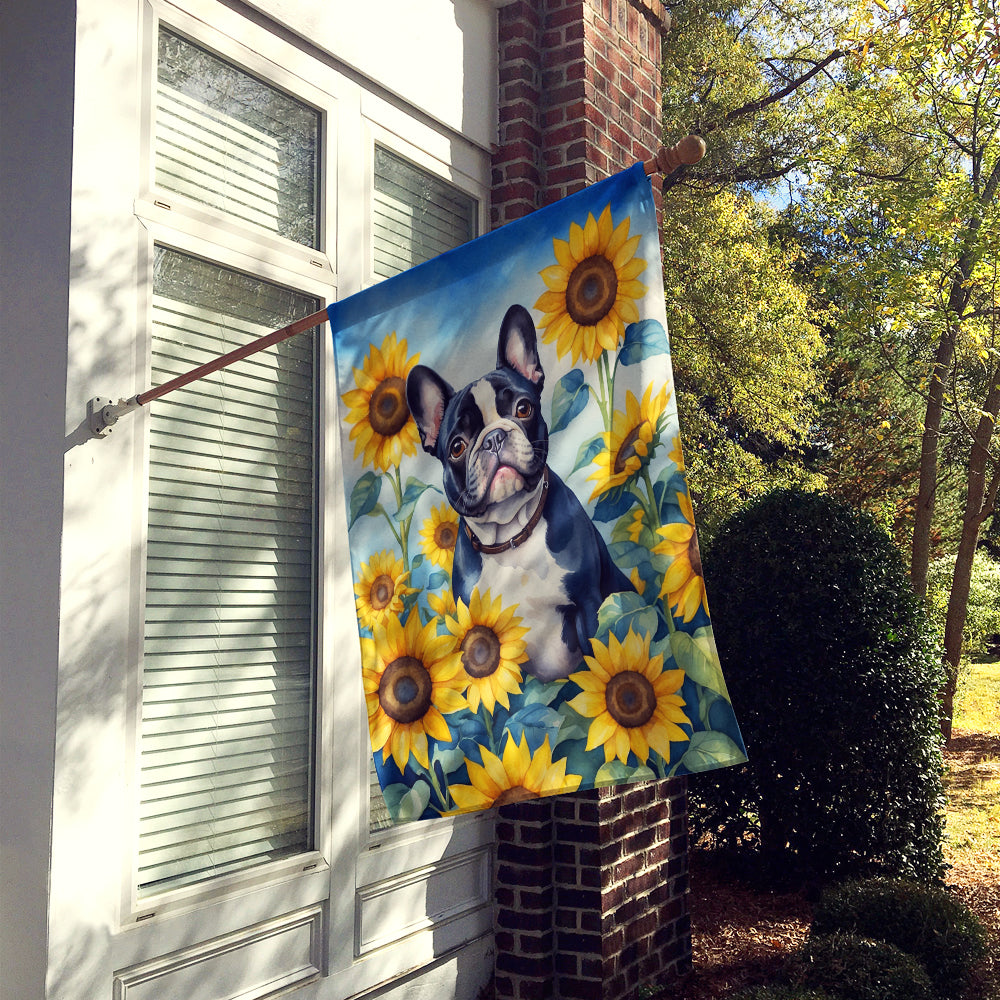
416	215
228	658
235	143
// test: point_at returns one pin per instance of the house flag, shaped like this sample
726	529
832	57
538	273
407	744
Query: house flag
529	594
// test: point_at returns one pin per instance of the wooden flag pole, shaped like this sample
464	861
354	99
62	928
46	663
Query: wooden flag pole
103	413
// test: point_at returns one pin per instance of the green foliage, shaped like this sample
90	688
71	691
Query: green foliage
857	968
747	357
833	674
983	610
781	992
926	922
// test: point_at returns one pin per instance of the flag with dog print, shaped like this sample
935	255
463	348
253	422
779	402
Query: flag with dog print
530	602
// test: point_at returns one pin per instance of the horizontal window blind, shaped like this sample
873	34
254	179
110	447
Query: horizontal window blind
228	655
416	215
231	141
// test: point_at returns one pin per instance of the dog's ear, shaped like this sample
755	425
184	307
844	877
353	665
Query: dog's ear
427	395
518	346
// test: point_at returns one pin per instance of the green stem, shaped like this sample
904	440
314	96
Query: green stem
604	401
436	788
488	724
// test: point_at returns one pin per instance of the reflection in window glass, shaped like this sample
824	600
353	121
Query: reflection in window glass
231	141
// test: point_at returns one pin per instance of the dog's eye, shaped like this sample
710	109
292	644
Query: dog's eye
523	409
457	448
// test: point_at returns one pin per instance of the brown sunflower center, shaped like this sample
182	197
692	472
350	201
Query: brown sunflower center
516	794
445	535
405	690
480	651
381	591
627	449
694	555
630	698
387	409
592	290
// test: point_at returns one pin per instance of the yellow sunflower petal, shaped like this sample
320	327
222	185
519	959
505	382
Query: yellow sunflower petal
602	729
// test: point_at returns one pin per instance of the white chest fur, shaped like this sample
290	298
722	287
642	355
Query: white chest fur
530	576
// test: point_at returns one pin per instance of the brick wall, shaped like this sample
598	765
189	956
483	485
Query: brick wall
591	889
579	96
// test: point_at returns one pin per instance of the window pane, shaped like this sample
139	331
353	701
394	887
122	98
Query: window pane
228	676
417	215
231	141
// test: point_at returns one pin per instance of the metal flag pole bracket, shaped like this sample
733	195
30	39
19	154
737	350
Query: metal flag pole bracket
103	413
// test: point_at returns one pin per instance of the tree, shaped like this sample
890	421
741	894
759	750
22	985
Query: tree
748	355
912	178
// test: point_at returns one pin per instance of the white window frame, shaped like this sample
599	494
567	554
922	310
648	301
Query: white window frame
180	224
352	872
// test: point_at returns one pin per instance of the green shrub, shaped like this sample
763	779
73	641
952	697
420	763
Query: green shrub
856	968
926	922
834	674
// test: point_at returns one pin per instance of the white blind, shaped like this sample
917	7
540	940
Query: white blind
228	140
416	215
227	680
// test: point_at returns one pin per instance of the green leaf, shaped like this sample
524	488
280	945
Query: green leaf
450	758
625	610
614	772
415	489
535	692
696	656
643	340
414	802
569	398
364	496
589	450
708	750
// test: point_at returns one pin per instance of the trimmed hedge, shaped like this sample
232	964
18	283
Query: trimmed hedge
926	922
856	968
833	672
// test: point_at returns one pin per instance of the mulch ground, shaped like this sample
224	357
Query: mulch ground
742	935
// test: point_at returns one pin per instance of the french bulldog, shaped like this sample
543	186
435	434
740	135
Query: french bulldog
522	532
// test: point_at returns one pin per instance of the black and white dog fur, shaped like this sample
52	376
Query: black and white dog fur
523	533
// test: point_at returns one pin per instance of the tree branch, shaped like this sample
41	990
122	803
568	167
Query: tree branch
754	106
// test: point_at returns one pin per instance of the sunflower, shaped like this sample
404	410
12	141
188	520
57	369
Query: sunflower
439	534
381	589
442	604
683	584
633	701
409	681
592	289
382	429
676	453
519	775
627	445
489	645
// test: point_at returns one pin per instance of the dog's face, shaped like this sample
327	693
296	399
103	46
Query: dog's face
490	437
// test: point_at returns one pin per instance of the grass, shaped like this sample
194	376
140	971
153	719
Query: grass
973	784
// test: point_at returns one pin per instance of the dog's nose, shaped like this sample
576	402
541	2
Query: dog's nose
494	440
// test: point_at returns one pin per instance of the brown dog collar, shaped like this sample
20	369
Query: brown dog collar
522	535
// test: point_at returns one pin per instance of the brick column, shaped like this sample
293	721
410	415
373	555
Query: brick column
591	889
579	96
